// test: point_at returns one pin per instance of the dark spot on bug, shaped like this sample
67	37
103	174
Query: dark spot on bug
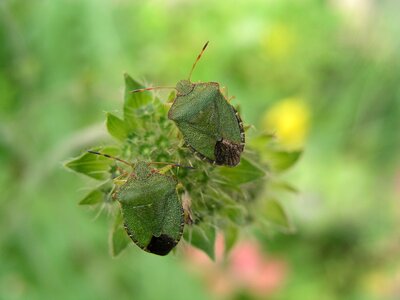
161	245
227	153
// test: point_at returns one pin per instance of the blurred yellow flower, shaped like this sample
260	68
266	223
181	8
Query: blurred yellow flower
279	42
378	283
289	119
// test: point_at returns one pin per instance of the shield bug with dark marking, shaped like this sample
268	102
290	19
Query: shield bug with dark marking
152	212
210	125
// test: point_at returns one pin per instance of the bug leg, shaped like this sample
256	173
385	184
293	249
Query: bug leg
161	171
224	91
121	171
154	171
170	164
231	98
187	210
118	181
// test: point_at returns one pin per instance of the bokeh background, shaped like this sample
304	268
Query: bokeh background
323	75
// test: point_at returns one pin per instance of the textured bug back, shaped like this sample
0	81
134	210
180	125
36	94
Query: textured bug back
152	212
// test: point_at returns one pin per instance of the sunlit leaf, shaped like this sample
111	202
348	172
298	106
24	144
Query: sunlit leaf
119	239
92	165
116	127
231	234
262	141
245	172
97	195
94	197
237	214
133	101
202	236
171	97
282	160
274	213
286	186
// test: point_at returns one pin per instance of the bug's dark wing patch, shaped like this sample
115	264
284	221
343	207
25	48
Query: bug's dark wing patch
227	153
161	245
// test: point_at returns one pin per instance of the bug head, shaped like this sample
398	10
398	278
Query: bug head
184	87
142	170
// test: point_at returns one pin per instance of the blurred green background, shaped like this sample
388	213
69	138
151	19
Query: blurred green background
322	74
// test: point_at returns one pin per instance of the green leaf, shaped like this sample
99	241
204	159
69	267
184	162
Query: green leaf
116	127
286	186
171	97
231	234
236	213
274	213
245	172
282	160
92	165
202	236
98	195
94	197
119	239
133	101
262	141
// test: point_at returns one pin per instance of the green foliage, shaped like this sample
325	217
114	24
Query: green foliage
116	127
202	237
91	166
100	194
282	160
94	197
231	234
58	65
274	213
222	198
245	172
119	240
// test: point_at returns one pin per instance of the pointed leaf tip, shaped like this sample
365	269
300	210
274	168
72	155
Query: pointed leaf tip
116	127
133	101
202	237
119	239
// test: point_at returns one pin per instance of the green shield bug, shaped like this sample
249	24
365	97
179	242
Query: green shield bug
210	125
152	212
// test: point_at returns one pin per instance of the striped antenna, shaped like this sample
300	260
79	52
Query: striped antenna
132	165
198	58
153	88
112	157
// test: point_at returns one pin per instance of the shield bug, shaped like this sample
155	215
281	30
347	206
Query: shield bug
152	212
210	125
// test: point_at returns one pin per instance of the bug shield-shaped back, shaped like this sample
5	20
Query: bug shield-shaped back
209	124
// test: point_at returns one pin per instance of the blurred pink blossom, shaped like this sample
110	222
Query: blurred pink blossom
246	268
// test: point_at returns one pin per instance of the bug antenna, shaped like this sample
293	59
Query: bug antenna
153	88
171	164
197	59
111	157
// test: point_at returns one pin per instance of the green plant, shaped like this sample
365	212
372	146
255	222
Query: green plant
219	198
